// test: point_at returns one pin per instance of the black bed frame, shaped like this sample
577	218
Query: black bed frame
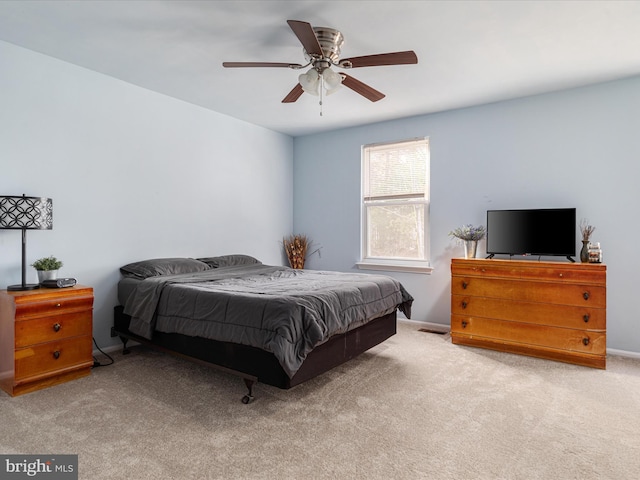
256	365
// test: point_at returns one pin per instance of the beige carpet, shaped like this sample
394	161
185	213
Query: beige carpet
415	407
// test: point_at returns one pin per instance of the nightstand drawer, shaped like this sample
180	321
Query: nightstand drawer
54	306
37	360
55	327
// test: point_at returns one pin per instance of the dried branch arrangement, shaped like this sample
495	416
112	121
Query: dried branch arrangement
296	246
586	229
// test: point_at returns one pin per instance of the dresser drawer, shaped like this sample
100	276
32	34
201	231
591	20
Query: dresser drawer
593	274
530	334
53	306
51	357
568	316
55	327
569	274
592	296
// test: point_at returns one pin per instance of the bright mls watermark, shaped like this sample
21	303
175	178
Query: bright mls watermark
50	467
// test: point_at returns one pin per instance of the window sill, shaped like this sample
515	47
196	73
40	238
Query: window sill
409	267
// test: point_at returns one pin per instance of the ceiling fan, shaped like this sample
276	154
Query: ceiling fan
322	51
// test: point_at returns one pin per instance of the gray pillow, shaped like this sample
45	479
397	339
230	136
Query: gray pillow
229	260
163	266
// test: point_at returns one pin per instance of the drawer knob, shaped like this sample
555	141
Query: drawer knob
464	285
56	354
585	341
58	305
586	295
464	324
464	304
585	317
56	327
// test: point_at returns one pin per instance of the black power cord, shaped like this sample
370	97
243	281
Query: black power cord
96	363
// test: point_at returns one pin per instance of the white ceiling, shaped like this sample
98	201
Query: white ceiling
469	52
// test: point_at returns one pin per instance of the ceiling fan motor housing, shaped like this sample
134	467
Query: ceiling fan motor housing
331	41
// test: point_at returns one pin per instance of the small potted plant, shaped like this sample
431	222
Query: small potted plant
469	236
47	268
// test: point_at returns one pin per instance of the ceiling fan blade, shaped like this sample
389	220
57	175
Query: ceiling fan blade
259	64
395	58
306	35
293	94
362	88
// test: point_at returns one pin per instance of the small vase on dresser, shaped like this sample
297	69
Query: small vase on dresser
584	251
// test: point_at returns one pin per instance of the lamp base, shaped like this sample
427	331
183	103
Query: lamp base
20	287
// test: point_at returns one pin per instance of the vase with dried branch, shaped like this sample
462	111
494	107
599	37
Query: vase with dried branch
296	247
586	230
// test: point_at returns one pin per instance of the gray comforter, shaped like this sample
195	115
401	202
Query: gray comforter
284	311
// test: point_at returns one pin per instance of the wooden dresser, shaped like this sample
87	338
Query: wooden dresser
552	310
45	337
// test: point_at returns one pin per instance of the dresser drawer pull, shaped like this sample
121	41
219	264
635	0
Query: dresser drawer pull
464	285
56	327
585	317
585	341
58	305
586	295
464	304
56	354
464	324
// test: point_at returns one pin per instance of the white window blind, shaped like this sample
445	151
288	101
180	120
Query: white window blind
395	200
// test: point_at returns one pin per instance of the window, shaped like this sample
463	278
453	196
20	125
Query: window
395	206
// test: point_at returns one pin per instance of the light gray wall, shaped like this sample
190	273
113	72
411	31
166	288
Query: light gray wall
133	175
575	148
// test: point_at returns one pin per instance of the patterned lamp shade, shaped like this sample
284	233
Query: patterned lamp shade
25	213
31	213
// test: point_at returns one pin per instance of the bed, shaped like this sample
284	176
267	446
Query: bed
265	323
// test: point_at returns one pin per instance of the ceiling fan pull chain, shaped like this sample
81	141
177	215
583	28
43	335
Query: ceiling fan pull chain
321	90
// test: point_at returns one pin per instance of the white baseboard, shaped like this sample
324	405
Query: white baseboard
111	348
623	353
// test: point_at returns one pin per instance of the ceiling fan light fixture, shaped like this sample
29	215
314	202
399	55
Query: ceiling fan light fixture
332	81
310	82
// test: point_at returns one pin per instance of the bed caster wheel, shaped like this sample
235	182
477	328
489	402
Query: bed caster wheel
249	396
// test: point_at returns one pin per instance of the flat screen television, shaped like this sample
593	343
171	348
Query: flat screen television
550	231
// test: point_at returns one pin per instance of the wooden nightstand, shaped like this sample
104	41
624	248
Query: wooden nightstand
45	337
